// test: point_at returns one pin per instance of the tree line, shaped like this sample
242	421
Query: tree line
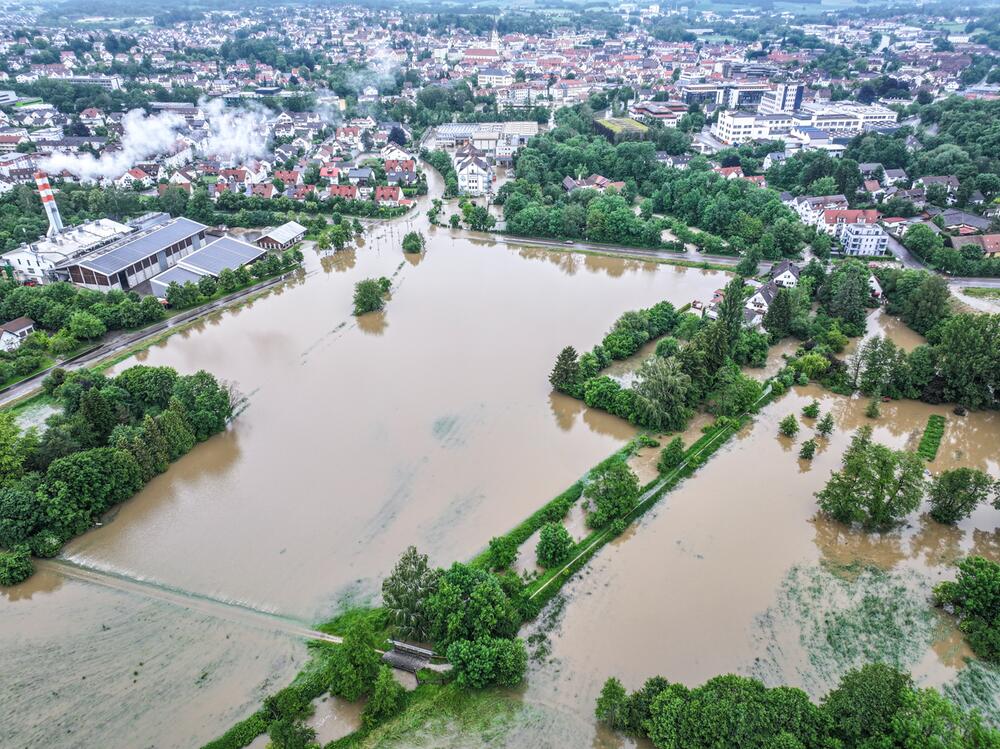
873	706
111	436
740	214
64	316
705	368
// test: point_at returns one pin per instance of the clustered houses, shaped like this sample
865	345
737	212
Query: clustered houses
783	275
858	231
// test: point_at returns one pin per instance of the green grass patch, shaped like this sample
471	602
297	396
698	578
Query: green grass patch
982	292
481	717
346	619
931	439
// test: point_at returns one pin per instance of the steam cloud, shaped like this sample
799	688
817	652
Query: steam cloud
234	135
142	138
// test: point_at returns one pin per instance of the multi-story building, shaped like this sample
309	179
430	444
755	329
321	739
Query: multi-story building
786	98
864	239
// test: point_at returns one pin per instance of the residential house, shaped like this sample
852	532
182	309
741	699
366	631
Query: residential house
475	175
593	182
13	333
786	274
864	239
387	195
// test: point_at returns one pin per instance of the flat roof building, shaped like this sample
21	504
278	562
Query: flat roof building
137	258
216	256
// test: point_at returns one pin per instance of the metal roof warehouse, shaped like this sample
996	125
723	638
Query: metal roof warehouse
210	260
136	258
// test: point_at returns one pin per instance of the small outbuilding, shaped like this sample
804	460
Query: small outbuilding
283	236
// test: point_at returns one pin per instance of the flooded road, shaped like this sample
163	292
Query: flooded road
431	423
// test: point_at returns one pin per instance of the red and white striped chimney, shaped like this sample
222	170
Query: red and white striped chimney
49	203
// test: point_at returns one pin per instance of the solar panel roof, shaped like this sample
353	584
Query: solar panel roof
223	253
138	248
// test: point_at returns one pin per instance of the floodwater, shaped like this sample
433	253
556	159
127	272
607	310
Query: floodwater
431	423
735	572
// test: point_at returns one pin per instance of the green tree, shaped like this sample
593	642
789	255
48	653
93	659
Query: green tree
812	410
614	490
734	392
863	705
928	304
355	663
967	353
386	699
926	720
369	296
730	311
207	286
671	456
85	325
955	494
749	264
15	566
848	295
566	372
661	394
876	486
289	733
974	597
554	544
487	662
470	604
413	242
405	593
612	705
778	318
14	448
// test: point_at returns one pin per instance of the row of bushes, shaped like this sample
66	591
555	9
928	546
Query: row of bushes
673	471
931	439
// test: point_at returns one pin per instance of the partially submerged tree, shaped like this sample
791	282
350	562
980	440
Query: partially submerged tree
876	486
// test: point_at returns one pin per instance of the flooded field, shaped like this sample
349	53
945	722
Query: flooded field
431	423
734	571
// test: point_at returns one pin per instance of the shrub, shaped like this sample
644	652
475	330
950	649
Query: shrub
789	426
386	700
503	552
671	456
15	565
873	411
808	450
812	410
825	425
487	662
553	545
931	439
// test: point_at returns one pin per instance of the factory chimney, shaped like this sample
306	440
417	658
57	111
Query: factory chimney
49	203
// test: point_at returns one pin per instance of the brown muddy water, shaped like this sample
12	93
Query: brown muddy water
431	423
735	572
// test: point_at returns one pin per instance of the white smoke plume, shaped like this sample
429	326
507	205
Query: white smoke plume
143	137
234	135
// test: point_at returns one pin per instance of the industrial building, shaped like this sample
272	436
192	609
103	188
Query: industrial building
216	256
103	254
137	258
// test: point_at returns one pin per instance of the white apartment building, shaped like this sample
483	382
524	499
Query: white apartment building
864	239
